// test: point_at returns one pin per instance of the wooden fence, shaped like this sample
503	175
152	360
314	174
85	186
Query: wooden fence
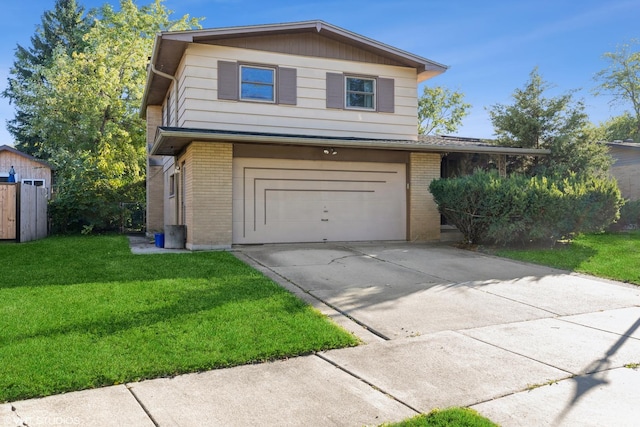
23	212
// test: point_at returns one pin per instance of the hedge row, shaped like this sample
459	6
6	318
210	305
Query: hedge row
488	208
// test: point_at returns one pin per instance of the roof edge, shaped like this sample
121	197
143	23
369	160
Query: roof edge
25	155
184	136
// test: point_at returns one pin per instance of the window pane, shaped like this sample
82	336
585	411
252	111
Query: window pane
360	93
359	85
257	91
257	84
359	100
257	75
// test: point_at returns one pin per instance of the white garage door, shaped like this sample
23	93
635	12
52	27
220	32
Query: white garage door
277	201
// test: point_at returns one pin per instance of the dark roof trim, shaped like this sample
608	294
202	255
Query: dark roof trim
170	141
25	155
331	31
622	144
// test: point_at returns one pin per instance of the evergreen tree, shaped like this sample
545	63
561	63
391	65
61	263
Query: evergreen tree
61	30
558	124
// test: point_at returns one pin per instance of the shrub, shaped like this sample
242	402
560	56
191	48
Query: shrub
629	216
486	207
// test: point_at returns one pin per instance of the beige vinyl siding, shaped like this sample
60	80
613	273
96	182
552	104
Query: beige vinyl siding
199	106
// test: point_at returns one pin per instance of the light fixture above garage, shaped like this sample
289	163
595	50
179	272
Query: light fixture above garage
330	151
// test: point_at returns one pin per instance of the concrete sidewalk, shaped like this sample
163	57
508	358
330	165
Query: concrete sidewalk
524	345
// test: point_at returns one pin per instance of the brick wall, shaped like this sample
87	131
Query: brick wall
208	194
424	219
155	179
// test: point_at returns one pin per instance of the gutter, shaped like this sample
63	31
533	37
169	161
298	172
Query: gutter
152	68
187	135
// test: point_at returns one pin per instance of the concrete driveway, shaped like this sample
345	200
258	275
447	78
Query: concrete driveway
524	345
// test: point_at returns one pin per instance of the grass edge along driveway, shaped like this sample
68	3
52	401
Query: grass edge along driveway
613	256
83	312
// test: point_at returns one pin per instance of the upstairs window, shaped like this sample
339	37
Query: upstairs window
257	83
360	93
368	93
270	84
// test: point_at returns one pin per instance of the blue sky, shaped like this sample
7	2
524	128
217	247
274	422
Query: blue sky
490	46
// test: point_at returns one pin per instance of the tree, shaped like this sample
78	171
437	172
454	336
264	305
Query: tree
87	115
558	124
621	79
440	110
61	30
623	128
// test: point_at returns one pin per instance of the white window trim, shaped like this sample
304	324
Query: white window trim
33	180
274	84
346	92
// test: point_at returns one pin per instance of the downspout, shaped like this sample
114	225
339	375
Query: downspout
175	89
175	115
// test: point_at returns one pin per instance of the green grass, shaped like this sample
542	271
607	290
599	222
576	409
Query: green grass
452	417
612	256
83	312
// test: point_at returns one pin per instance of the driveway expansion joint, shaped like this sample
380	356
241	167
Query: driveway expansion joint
370	384
507	298
328	304
142	406
415	270
17	415
515	352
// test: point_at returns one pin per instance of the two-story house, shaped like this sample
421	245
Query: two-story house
298	132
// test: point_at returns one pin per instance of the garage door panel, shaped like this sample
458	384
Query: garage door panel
305	201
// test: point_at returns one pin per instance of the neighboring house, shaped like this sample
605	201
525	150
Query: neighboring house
626	167
28	169
298	132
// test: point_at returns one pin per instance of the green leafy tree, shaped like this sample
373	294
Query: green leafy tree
558	124
623	128
621	79
441	110
61	31
88	115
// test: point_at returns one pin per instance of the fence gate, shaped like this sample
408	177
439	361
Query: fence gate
8	211
23	212
33	213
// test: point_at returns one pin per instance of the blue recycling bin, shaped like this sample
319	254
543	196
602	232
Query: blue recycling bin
159	237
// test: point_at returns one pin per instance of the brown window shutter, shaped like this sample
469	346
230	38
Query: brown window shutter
228	80
386	95
335	90
287	86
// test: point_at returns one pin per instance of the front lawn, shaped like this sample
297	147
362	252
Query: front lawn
83	312
451	417
612	256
